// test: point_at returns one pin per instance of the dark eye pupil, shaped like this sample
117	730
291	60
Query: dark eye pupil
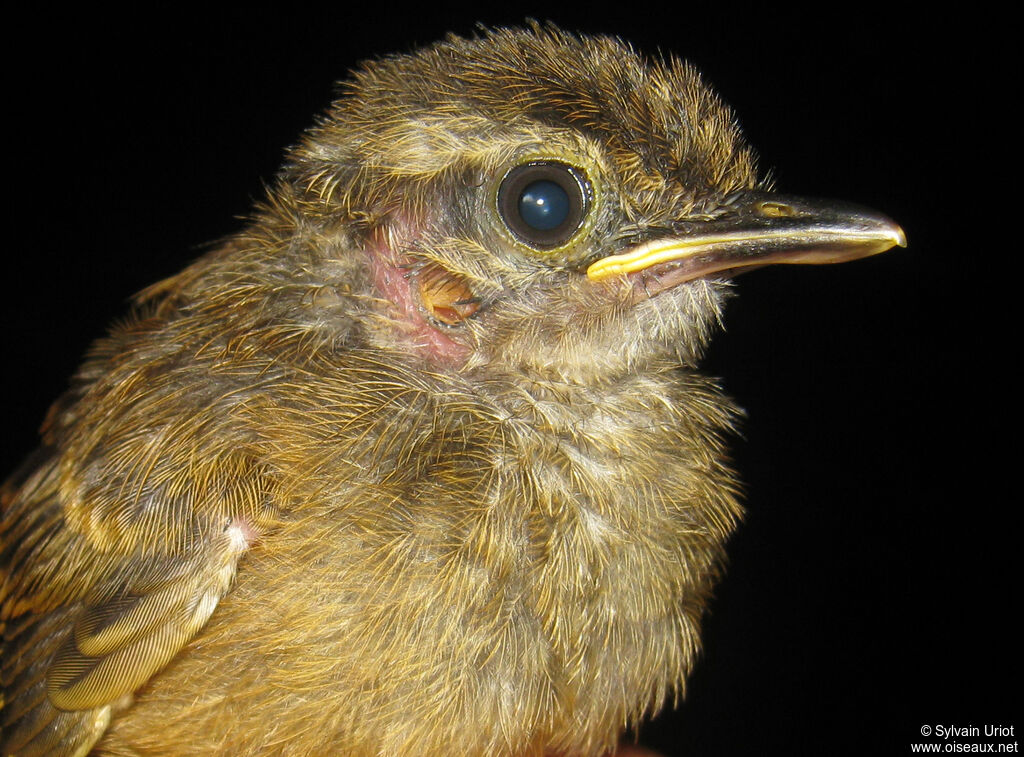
544	205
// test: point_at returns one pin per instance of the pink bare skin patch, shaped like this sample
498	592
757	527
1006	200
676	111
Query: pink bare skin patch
241	534
394	278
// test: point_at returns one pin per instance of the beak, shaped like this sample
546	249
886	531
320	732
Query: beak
757	229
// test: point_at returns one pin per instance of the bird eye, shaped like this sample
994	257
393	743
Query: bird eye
543	203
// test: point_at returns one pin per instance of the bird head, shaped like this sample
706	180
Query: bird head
536	202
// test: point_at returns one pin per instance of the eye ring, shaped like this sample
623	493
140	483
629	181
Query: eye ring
543	203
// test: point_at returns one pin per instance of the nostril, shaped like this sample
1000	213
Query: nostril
775	210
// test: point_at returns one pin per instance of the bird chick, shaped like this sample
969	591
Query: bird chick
419	462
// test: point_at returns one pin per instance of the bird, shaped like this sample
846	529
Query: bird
421	460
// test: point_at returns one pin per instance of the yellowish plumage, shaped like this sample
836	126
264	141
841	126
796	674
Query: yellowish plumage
474	499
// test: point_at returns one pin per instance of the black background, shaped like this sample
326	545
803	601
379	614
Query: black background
873	588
